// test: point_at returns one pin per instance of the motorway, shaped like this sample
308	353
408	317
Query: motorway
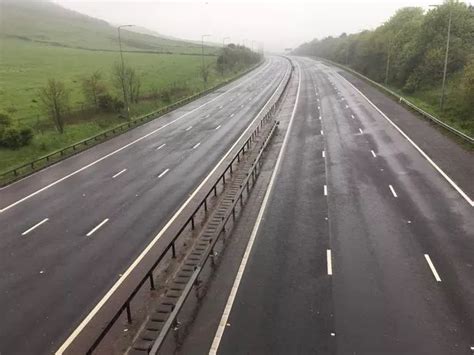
360	246
69	231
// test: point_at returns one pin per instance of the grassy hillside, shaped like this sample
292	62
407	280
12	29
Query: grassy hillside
46	22
41	41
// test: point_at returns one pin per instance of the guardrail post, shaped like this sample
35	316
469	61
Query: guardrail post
129	313
152	282
173	250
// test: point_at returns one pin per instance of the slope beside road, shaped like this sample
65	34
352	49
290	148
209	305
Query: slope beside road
69	231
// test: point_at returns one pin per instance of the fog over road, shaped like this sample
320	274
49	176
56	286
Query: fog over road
69	231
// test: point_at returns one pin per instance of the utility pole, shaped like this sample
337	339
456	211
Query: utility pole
123	78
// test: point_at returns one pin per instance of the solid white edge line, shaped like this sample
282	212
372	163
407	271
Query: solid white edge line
230	300
197	145
393	191
433	269
373	154
161	146
119	173
163	173
35	226
437	168
128	144
329	260
132	266
97	227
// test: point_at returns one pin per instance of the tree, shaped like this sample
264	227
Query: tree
126	79
55	99
93	87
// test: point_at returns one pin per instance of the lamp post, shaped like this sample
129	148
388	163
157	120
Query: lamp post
443	87
223	41
124	83
202	53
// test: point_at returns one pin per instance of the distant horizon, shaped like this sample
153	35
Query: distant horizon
244	20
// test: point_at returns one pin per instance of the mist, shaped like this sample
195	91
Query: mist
273	25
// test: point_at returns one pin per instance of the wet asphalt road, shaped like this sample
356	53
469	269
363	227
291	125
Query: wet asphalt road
363	247
68	232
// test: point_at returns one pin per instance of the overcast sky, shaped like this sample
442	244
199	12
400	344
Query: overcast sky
278	24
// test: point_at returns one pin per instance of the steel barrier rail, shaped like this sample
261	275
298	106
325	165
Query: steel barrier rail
402	100
245	186
35	165
87	340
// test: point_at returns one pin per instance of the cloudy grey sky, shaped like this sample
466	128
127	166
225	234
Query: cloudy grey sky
278	24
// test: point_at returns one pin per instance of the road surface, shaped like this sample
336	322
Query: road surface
361	247
68	232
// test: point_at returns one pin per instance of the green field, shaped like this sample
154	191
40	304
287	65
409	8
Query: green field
41	41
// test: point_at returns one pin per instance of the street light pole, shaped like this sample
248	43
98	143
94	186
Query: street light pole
441	103
223	41
124	83
445	69
202	53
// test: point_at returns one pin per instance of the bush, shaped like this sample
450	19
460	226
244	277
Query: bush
108	103
5	121
13	138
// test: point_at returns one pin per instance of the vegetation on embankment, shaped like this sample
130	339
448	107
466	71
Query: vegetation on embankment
35	74
412	45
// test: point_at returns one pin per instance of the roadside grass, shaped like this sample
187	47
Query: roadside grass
428	100
26	66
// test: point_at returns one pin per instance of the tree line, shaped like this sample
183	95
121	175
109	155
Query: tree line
408	51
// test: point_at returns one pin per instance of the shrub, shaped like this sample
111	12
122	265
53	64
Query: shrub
108	103
14	138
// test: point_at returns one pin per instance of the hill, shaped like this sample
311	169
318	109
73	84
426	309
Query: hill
46	22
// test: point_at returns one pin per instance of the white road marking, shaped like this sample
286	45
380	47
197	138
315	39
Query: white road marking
197	145
393	191
329	260
218	127
220	107
319	107
190	127
325	190
230	300
322	133
119	173
347	106
373	154
433	269
360	130
352	116
242	105
320	117
145	251
35	226
324	154
163	173
437	168
161	146
126	145
207	115
232	115
97	227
